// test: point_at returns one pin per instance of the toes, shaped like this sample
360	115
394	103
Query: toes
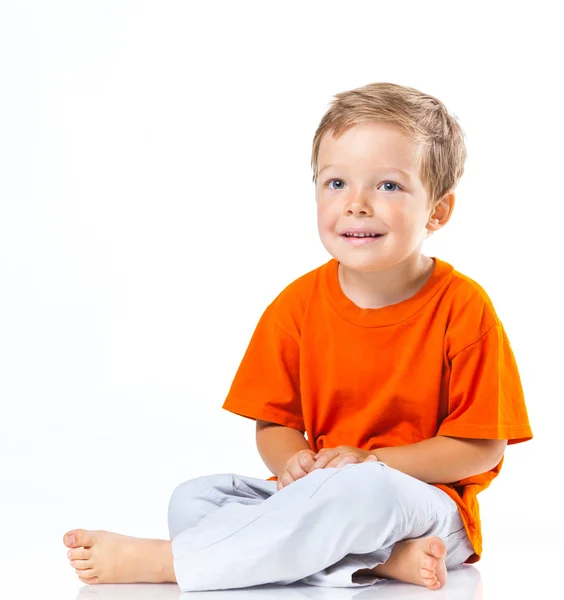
81	564
90	581
437	547
86	573
77	538
80	554
432	583
69	538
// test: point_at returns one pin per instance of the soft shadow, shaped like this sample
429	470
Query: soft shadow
130	591
464	583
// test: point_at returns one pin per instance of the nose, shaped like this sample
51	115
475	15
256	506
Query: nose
357	204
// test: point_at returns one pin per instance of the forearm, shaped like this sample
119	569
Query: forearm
277	443
443	459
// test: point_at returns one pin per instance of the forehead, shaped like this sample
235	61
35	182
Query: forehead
370	144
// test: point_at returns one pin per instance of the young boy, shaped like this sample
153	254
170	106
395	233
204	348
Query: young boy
395	365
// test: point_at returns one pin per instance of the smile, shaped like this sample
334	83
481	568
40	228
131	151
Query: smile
361	241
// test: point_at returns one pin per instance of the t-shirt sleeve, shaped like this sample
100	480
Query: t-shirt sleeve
267	383
485	393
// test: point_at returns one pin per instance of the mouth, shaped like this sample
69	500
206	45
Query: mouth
362	235
362	240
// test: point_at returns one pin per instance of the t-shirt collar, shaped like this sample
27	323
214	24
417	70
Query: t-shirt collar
386	315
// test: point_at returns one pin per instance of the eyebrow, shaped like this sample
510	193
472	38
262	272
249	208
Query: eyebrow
388	169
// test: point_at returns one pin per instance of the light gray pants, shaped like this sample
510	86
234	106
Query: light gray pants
231	531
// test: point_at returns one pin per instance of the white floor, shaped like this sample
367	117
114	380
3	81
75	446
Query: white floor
39	569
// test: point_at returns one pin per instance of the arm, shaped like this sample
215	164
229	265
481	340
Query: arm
276	443
443	459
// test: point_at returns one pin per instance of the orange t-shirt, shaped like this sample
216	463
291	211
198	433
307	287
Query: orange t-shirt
438	363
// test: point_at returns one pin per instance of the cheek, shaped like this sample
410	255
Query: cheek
400	220
326	220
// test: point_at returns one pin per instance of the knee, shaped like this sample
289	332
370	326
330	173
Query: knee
187	491
185	507
366	490
181	502
182	491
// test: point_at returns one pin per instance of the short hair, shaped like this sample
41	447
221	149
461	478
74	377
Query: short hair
439	139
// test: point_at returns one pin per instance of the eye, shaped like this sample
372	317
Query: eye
385	183
330	180
390	183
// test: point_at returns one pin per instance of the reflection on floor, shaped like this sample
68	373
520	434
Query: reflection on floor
463	584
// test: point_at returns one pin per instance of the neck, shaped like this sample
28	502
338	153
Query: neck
376	289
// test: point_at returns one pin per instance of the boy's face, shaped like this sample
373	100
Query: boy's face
362	191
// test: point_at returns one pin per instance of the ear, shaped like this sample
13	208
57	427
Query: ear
442	212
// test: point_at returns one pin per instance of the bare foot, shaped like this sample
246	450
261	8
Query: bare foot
420	561
105	557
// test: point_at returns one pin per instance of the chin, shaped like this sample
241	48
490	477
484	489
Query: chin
361	264
355	258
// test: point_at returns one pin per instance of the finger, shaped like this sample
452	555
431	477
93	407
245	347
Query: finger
317	465
293	474
333	457
324	459
320	453
306	461
297	473
301	469
284	478
343	460
315	460
310	465
348	460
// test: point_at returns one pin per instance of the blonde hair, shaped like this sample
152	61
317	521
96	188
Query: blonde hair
439	139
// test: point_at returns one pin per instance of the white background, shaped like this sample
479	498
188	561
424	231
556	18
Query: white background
156	194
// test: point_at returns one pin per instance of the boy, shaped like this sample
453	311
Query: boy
395	365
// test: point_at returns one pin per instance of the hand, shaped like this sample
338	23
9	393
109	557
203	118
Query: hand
340	456
296	467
